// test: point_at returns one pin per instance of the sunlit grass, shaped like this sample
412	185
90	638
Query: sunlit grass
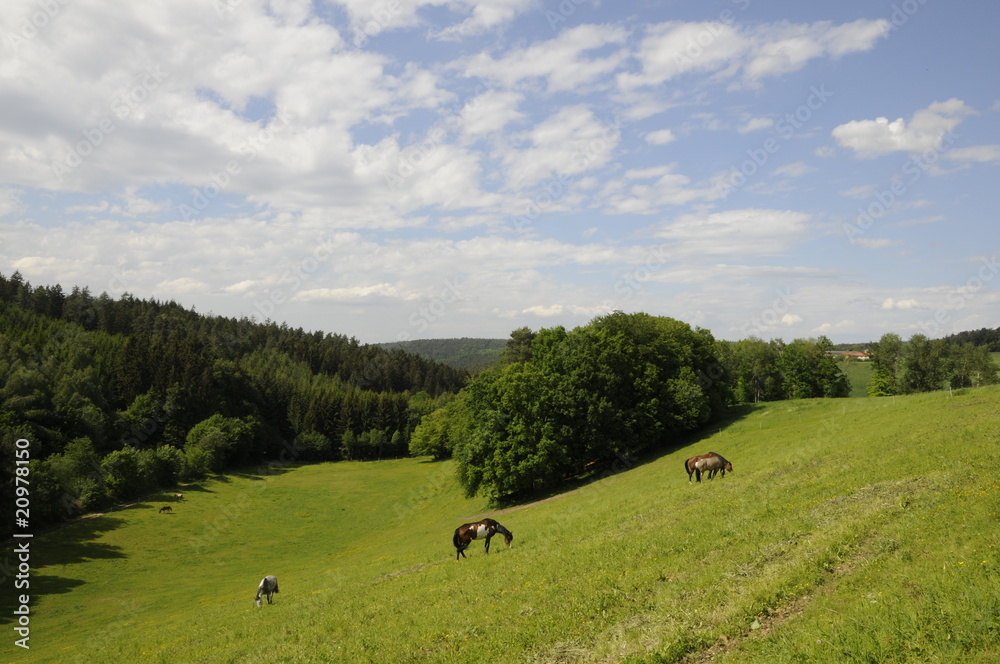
851	530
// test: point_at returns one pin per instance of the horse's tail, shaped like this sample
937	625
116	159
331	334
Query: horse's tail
455	540
686	469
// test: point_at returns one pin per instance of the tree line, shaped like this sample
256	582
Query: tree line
121	396
562	404
924	365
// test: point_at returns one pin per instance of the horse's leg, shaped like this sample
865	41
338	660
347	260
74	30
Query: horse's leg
488	538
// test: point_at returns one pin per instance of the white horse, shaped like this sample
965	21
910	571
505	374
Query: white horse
268	586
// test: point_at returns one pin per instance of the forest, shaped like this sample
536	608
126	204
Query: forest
121	397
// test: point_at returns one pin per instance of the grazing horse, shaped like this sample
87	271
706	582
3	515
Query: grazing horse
710	463
178	496
484	529
268	586
166	508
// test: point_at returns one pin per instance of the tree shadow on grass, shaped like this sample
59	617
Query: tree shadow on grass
73	544
192	487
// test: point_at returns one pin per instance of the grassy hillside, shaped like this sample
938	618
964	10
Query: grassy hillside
860	530
860	375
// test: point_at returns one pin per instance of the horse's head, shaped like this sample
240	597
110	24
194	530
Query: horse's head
729	467
257	601
508	537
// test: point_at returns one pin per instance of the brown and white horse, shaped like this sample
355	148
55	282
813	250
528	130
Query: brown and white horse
710	463
484	529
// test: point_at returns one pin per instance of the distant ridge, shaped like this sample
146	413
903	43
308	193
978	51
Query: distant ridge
464	353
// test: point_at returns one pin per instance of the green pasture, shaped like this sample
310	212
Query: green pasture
860	375
851	530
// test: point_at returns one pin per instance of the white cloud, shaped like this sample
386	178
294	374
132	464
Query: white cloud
569	142
182	286
660	137
98	207
645	191
561	62
890	303
755	124
860	192
758	232
490	112
369	20
791	319
350	293
976	153
10	201
794	170
485	16
873	243
756	52
925	131
549	311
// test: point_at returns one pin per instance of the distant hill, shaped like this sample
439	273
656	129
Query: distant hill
464	353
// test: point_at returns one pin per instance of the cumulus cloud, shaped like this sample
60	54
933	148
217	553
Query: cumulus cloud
750	53
737	232
890	303
564	63
794	170
647	190
569	142
926	130
660	137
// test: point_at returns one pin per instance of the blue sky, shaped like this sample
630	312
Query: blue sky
420	169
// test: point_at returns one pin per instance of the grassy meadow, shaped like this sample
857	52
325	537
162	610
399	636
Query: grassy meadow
852	530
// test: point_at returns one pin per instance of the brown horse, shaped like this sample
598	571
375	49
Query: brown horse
710	463
165	508
484	529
